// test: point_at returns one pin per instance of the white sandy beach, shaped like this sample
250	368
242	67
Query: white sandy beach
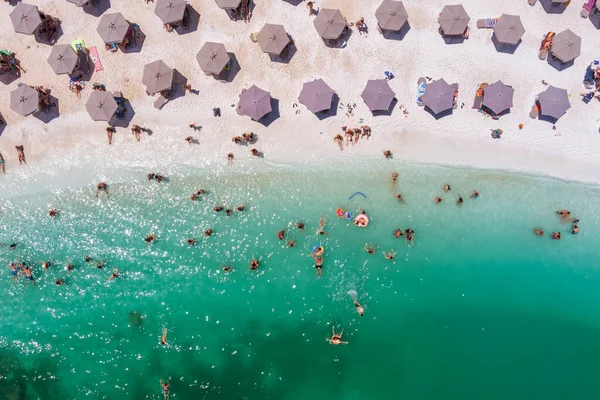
73	140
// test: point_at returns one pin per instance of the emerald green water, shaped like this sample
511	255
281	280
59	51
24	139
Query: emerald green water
478	308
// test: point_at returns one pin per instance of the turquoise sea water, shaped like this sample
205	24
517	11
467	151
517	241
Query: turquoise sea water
478	308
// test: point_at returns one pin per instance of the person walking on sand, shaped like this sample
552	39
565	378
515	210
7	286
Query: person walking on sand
230	158
310	5
390	256
339	139
2	164
189	139
102	187
163	339
21	154
109	133
387	153
336	338
136	131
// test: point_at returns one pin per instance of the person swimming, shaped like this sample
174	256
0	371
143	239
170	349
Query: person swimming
163	339
281	234
151	176
218	208
226	268
291	243
475	194
556	236
409	235
193	196
114	275
336	338
28	275
300	226
14	272
389	256
88	259
228	212
399	197
102	187
53	213
150	238
438	199
208	232
60	281
165	388
394	177
191	241
359	308
46	265
254	264
398	233
69	267
241	207
100	264
447	188
538	232
460	200
201	191
369	249
574	229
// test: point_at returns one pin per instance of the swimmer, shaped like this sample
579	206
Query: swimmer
46	265
228	212
69	267
447	188
322	223
60	281
102	187
460	200
574	229
475	194
336	338
556	236
300	226
12	246
100	264
201	191
565	216
359	308
370	249
538	232
217	208
191	241
398	233
230	158
14	272
150	238
88	259
28	276
318	265
159	178
241	207
114	275
281	234
226	268
165	388
394	177
151	176
53	213
291	243
387	154
399	197
437	200
193	196
254	264
409	235
163	339
208	232
390	255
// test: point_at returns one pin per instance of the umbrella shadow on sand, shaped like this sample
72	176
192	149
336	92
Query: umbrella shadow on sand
10	76
137	38
43	39
49	114
557	64
388	112
451	39
341	42
177	90
553	8
2	124
505	47
294	2
595	19
97	8
439	115
287	54
547	118
234	69
193	22
397	35
332	112
127	116
273	115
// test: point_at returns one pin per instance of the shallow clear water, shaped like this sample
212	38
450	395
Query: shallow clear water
478	308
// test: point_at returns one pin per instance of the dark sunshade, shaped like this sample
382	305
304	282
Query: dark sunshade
554	102
316	96
25	18
228	3
391	15
273	39
330	23
566	46
157	76
101	105
79	3
378	95
453	20
498	97
24	100
509	29
170	11
212	57
439	96
112	28
255	103
62	59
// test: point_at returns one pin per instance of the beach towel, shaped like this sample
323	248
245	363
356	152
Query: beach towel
388	75
96	59
421	85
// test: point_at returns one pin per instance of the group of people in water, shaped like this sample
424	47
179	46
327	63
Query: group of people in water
565	218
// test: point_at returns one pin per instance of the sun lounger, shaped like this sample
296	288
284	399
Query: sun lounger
534	111
532	2
160	102
487	23
479	96
421	85
588	6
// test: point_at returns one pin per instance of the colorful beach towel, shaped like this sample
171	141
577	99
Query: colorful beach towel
96	59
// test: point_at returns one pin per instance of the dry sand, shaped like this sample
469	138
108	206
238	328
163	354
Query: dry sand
463	138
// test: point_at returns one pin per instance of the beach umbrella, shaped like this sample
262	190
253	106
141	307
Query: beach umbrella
391	15
453	20
378	95
316	95
79	3
170	11
228	3
330	23
560	1
62	59
509	29
157	76
272	39
101	105
554	102
25	18
255	103
566	46
212	57
439	96
24	100
112	28
498	97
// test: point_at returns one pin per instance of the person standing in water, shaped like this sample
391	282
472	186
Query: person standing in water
28	276
14	272
2	164
475	194
102	187
394	177
318	265
336	338
399	197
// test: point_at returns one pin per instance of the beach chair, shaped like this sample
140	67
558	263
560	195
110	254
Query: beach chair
160	102
588	6
478	102
487	23
421	85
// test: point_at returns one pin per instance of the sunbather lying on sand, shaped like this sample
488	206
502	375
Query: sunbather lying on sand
546	44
